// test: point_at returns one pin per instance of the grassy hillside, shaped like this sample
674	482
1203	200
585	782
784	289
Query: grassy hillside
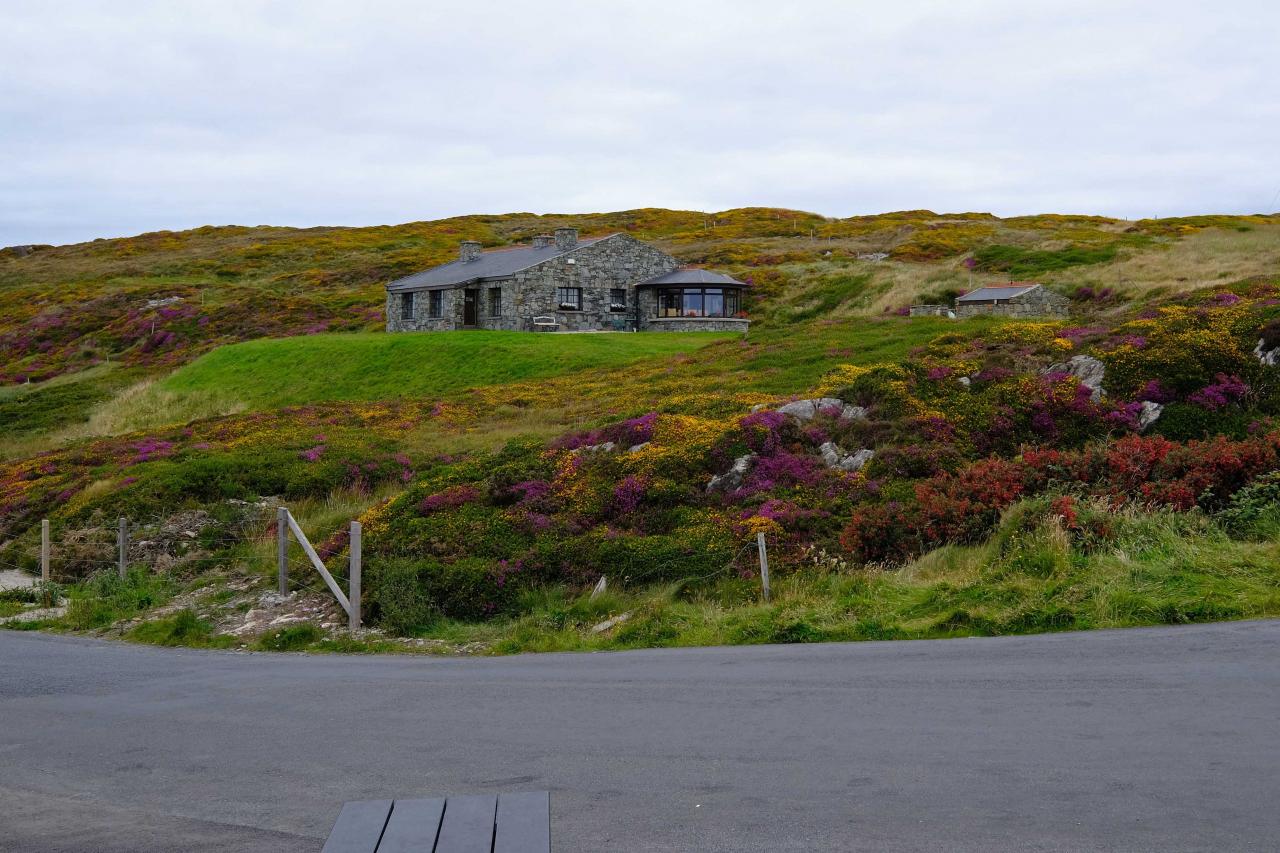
1001	496
291	371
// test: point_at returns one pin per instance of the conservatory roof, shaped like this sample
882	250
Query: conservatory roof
690	277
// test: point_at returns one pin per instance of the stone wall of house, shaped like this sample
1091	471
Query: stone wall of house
620	261
450	318
1040	302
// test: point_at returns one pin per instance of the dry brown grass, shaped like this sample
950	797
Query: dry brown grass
1205	259
1208	258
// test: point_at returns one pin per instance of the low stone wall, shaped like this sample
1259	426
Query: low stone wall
931	311
1040	302
696	324
1014	309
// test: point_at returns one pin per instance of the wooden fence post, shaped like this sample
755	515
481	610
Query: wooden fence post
764	563
44	558
353	594
282	549
122	541
44	550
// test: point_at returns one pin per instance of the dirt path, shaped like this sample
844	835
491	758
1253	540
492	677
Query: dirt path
14	579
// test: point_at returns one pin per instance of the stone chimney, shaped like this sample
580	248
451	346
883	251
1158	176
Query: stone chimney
469	250
542	241
566	238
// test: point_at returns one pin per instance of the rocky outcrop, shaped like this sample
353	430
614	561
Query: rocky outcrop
1150	414
1085	368
807	410
1268	357
733	479
834	457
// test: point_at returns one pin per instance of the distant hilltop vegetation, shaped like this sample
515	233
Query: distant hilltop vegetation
160	299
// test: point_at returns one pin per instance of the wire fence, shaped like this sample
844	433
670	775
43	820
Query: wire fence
248	546
155	542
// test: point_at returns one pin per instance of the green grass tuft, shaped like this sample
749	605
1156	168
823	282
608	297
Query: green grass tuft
291	638
183	628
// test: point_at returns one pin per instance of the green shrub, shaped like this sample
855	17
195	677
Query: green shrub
396	599
406	595
183	628
1186	421
41	592
1018	261
105	598
290	638
466	589
885	387
1254	511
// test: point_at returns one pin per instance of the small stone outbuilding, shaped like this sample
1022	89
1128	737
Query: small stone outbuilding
1016	299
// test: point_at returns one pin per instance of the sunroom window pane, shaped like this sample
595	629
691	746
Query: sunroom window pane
693	303
731	303
714	303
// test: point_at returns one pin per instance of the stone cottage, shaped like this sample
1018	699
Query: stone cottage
559	282
1016	299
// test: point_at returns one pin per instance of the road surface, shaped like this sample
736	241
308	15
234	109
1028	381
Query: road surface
1154	739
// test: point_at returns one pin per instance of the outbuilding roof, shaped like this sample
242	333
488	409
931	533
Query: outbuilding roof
688	277
495	263
982	294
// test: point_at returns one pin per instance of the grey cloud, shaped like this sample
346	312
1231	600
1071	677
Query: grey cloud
118	118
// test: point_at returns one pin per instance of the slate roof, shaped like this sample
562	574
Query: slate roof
495	263
689	277
982	294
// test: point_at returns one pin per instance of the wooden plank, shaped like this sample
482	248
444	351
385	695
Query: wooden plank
413	826
319	564
359	826
524	823
468	824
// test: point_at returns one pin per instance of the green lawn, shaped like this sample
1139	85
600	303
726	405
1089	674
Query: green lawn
289	371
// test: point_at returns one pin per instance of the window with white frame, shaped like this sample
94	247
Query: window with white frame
569	298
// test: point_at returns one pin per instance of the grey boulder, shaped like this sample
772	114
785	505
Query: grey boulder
834	457
1267	357
732	479
1150	414
807	410
1085	368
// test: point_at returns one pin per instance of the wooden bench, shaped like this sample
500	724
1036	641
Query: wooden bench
545	323
483	823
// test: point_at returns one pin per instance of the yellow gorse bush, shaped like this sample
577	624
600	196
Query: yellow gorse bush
838	377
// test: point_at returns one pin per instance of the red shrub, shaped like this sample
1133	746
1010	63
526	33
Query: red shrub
1152	470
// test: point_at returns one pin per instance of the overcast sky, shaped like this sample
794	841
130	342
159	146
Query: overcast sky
118	118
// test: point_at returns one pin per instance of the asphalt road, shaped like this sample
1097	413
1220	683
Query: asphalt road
1161	739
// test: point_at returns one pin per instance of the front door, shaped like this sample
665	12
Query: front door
470	307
